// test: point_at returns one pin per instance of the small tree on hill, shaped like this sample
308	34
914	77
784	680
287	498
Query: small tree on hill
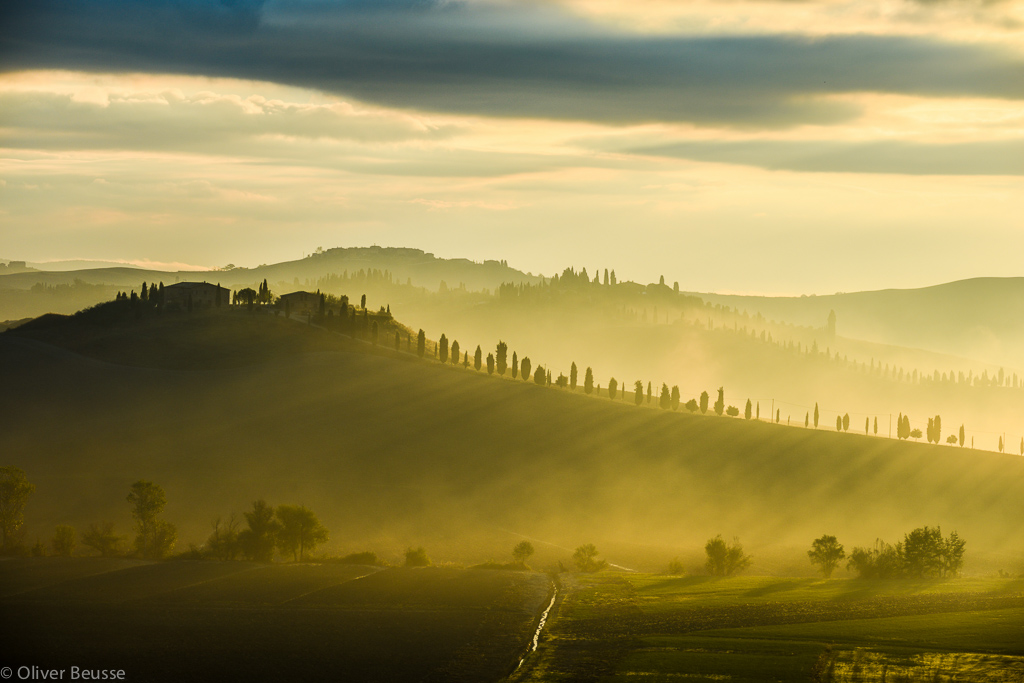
421	343
490	364
573	375
154	537
724	559
515	365
639	389
588	381
15	490
649	393
455	352
827	553
522	552
704	398
692	406
300	530
962	436
63	542
416	557
675	397
102	539
665	398
815	415
258	541
839	423
526	368
539	376
478	358
807	419
501	358
732	411
846	422
443	349
876	425
585	559
748	411
720	402
613	388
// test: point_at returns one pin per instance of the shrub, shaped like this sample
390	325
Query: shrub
416	557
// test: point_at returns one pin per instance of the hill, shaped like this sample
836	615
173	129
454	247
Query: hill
981	318
392	451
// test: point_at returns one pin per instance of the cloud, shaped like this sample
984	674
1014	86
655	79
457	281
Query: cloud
969	158
496	60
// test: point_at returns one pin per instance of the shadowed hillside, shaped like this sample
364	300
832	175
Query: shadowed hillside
392	451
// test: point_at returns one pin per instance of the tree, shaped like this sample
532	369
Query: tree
916	434
846	422
588	381
692	406
724	559
490	364
807	419
15	490
720	402
362	302
638	387
922	552
416	557
421	343
826	552
876	424
526	368
258	541
573	375
962	436
613	388
732	411
665	398
1000	443
300	530
867	425
455	352
815	415
478	358
649	392
63	542
839	423
154	538
223	542
585	559
501	358
443	349
522	552
515	365
704	402
539	376
675	398
102	539
748	411
953	555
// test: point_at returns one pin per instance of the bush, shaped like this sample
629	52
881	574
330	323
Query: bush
732	411
724	559
416	557
923	553
63	542
585	559
675	566
367	558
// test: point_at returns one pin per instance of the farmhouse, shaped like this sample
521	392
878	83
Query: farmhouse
202	295
301	302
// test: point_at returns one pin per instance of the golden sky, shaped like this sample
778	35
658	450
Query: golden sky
776	147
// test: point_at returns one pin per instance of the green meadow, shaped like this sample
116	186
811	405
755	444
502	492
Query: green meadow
619	627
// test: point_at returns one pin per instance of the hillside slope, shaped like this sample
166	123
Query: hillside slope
393	452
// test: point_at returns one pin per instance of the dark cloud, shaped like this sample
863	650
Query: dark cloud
497	61
969	158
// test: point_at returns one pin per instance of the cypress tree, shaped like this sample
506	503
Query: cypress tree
675	397
455	352
573	374
588	381
748	411
665	399
526	368
639	388
501	358
490	364
815	415
443	349
478	358
421	342
612	388
515	365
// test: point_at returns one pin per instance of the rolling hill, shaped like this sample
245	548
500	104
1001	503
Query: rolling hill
392	451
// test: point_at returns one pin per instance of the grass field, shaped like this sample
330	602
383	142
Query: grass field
237	621
625	627
392	452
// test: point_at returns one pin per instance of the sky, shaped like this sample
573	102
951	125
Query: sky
779	147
